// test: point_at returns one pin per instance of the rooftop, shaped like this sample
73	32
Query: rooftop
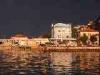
88	30
61	24
20	35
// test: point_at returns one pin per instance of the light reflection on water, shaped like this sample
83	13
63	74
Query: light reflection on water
30	62
76	63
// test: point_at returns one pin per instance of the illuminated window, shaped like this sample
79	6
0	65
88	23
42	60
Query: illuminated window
63	30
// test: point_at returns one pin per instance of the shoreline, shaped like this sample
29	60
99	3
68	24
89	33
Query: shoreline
52	49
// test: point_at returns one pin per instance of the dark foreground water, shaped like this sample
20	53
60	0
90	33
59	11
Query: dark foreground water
21	62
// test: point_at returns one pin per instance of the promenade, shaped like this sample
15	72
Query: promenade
53	48
72	49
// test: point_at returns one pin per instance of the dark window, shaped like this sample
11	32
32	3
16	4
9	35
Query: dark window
59	31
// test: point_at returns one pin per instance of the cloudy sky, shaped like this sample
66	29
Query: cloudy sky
34	17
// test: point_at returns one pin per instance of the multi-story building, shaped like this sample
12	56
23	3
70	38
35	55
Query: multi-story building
90	33
61	31
62	34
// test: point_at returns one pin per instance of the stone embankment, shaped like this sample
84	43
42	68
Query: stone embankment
72	49
52	49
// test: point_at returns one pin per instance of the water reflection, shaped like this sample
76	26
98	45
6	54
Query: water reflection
76	63
21	62
30	62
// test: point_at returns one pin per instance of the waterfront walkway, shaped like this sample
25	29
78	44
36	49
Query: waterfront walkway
53	49
72	49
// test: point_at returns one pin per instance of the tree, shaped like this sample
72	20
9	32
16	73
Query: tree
93	38
1	42
84	39
74	33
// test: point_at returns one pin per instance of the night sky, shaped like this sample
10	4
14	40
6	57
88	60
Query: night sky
34	17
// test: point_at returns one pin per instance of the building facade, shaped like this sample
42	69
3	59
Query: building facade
90	33
39	41
20	39
61	31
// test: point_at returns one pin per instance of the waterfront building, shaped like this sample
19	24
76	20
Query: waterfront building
20	39
61	31
23	40
89	32
39	41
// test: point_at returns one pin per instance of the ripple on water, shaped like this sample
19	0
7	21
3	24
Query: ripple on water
55	63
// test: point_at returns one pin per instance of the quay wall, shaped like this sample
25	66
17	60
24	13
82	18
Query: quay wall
72	49
53	49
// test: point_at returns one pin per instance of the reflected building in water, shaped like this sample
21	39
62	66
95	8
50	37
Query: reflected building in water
76	63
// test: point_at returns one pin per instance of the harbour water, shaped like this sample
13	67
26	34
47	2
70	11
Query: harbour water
35	62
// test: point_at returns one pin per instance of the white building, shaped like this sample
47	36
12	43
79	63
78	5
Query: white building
39	41
20	39
61	31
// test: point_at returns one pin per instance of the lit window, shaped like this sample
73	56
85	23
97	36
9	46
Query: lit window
63	30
